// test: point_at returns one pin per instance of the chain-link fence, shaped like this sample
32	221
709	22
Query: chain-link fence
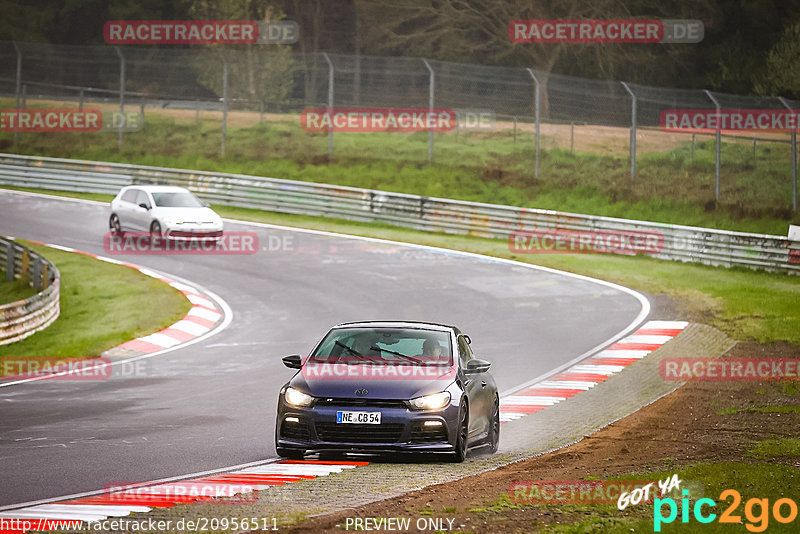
526	105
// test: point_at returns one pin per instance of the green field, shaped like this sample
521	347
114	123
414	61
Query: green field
673	185
14	291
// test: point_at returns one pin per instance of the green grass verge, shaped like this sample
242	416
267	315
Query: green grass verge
14	291
671	186
102	305
747	305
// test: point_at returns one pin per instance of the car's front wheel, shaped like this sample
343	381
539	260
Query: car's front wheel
460	452
155	231
494	429
292	454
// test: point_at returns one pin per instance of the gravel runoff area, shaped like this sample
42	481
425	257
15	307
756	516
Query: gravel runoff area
552	428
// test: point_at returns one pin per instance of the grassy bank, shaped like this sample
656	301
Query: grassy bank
675	185
102	305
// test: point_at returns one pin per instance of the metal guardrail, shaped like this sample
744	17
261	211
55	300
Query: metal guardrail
22	318
681	243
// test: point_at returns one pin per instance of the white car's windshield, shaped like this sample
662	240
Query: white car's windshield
176	200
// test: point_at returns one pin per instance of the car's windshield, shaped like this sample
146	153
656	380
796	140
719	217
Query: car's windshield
385	346
177	199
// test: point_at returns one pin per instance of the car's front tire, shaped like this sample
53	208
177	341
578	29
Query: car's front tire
494	429
155	231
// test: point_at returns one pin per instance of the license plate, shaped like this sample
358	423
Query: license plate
359	418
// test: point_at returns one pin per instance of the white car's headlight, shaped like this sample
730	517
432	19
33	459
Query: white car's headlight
173	221
295	397
431	402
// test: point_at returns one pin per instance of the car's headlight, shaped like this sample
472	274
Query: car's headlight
173	221
431	402
295	397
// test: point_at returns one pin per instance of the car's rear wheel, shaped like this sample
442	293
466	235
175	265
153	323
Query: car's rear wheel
494	429
114	224
292	454
461	438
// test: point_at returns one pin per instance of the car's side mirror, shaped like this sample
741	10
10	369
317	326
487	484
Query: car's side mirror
476	366
293	362
467	339
145	206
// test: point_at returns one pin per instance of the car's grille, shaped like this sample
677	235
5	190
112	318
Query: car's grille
295	431
362	403
347	433
430	434
201	234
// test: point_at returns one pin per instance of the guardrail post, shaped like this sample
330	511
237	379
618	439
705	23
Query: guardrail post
121	94
794	158
25	264
536	103
37	273
633	130
10	267
80	100
330	101
224	102
24	95
17	86
431	93
719	141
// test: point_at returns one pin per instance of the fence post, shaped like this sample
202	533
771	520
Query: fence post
719	140
24	95
17	87
80	100
10	262
224	102
330	101
121	94
515	129
794	158
536	103
633	130
571	136
430	107
37	273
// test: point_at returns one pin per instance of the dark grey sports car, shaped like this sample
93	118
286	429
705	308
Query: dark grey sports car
388	386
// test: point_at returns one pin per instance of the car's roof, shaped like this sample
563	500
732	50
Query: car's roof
159	188
397	324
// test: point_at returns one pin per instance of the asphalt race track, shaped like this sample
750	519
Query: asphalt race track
212	404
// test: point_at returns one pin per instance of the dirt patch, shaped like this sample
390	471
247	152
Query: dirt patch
700	422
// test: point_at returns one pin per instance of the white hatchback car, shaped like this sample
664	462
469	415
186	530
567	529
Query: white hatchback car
164	211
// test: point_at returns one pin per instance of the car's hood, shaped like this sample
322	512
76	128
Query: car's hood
188	214
386	386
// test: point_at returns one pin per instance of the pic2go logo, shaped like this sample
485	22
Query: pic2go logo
756	511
